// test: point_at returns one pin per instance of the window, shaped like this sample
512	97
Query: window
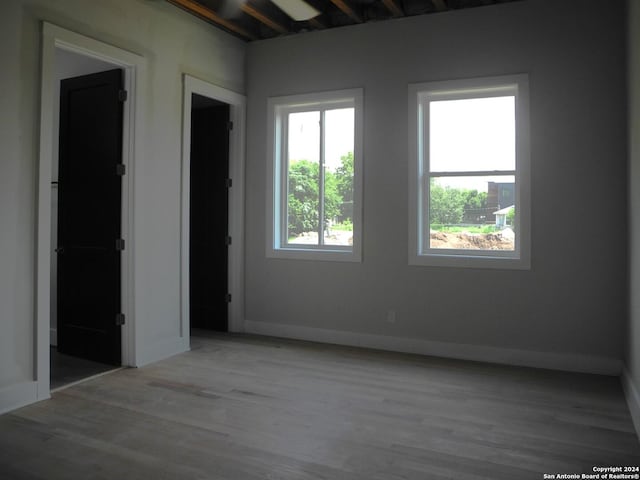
469	175
314	190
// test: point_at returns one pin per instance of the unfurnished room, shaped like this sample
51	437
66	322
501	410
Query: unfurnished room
319	239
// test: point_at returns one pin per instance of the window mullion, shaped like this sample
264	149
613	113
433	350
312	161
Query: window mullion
321	182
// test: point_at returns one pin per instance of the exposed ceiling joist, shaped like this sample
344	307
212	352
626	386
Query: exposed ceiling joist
393	7
315	23
441	5
347	10
200	10
262	18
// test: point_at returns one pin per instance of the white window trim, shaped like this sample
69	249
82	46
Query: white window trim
276	107
520	258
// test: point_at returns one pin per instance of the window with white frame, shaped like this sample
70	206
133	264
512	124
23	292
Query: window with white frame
469	175
314	191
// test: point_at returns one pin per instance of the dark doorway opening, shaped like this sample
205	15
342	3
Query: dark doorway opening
209	214
89	243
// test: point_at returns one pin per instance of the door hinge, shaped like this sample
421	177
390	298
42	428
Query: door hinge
228	298
229	125
123	95
120	319
121	169
227	241
119	244
228	182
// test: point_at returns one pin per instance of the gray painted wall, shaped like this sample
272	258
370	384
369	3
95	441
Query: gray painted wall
573	300
173	43
632	359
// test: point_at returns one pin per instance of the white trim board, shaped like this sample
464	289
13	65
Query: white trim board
237	114
134	67
633	398
480	353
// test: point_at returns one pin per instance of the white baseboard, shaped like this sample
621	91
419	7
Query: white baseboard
525	358
633	398
53	337
19	395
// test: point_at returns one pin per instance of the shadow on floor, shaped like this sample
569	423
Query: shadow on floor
66	369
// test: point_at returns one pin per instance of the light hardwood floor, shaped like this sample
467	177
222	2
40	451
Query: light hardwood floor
246	407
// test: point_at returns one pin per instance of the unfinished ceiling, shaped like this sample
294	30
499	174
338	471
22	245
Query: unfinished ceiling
261	19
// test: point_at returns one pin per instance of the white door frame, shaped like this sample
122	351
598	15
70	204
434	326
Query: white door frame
134	67
237	108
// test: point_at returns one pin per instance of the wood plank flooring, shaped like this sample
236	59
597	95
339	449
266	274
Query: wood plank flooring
246	407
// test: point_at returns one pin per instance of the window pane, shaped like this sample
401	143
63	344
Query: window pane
472	213
338	181
476	134
303	160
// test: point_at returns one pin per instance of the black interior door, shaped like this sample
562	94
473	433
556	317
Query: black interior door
209	204
89	217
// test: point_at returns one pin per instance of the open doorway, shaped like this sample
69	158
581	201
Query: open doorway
212	209
86	56
209	214
86	218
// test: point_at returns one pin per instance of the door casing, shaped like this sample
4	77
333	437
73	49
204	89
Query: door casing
134	67
237	104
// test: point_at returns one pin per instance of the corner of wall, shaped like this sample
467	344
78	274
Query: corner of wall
632	395
18	395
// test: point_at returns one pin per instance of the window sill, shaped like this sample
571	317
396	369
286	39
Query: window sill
470	261
315	254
